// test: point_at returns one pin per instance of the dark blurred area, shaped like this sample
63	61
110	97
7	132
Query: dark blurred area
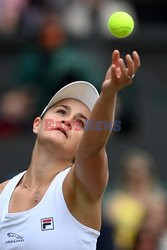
45	45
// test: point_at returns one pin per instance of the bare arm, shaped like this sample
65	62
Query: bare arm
91	168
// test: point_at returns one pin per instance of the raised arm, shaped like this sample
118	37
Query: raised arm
91	167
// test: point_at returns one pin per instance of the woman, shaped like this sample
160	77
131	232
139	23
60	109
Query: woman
143	200
56	203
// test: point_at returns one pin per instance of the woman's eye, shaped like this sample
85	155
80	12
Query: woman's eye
61	111
80	123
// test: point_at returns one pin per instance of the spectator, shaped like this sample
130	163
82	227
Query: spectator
139	200
15	106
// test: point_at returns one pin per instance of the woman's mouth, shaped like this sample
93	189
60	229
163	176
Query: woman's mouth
61	129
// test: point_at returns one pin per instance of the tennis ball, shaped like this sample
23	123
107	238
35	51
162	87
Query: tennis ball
120	24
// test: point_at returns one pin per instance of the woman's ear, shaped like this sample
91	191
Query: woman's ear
36	124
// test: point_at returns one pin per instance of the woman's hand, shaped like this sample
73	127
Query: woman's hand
121	72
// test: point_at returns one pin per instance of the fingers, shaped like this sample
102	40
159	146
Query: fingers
122	67
136	60
121	72
113	72
130	65
118	72
132	62
115	57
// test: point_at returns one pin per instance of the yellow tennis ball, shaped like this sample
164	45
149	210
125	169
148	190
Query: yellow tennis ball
120	24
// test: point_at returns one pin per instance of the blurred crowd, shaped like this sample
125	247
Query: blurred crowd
48	58
79	18
135	211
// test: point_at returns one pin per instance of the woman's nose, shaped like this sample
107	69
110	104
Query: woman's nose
67	123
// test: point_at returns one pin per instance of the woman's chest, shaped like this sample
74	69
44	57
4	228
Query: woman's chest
22	200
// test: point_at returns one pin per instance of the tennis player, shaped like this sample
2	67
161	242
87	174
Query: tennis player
56	203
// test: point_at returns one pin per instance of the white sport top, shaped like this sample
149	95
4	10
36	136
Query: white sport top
47	226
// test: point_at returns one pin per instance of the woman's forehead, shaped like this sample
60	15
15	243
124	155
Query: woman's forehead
73	104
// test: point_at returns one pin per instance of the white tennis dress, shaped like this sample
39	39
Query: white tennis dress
47	226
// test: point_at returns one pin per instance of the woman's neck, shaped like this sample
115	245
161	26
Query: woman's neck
44	166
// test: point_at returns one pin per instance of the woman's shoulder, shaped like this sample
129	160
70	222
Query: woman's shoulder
2	185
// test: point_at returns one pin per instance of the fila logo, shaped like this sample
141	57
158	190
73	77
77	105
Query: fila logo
47	224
